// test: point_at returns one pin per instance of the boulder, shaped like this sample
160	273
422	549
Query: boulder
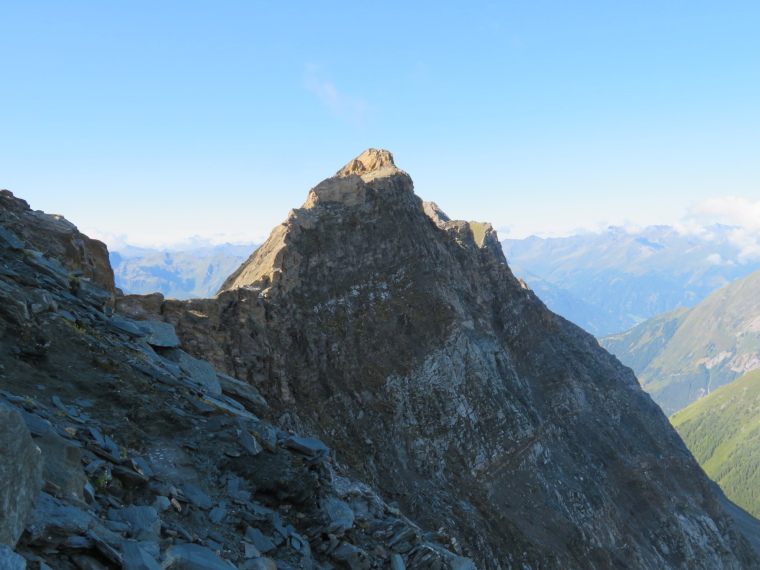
242	391
159	334
193	557
20	475
135	558
9	560
143	521
340	515
200	371
63	464
55	521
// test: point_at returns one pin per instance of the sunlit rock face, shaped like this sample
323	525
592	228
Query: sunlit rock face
400	337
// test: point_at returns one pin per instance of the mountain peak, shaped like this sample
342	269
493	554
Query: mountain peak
370	161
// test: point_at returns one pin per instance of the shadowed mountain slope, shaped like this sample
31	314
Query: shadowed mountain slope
401	338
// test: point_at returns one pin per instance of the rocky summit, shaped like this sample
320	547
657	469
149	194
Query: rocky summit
372	388
120	450
399	337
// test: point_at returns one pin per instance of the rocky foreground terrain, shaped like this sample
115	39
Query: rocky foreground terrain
373	388
119	450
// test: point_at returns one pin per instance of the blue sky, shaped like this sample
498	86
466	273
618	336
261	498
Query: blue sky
162	120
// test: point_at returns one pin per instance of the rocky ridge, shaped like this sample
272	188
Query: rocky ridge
120	450
401	338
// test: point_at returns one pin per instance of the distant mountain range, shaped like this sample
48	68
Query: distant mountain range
722	430
177	274
611	281
685	354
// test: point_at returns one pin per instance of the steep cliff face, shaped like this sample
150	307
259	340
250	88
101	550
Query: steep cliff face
119	450
58	238
401	337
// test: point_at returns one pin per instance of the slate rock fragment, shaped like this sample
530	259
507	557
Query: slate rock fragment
159	333
197	497
193	557
9	560
135	558
21	467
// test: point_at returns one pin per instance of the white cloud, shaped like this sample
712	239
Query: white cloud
171	242
350	109
741	213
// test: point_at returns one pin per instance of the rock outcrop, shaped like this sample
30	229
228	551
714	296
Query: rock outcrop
402	340
152	459
22	464
57	238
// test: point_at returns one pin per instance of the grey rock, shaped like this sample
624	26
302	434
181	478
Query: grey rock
144	467
63	464
143	521
21	467
229	405
340	515
200	406
9	239
279	527
128	476
92	293
250	551
37	426
89	492
217	515
162	503
41	302
214	545
170	462
9	560
307	445
193	557
135	558
247	441
397	563
13	304
268	437
86	562
159	333
128	326
50	268
353	556
196	496
200	371
67	315
242	391
259	540
259	564
55	521
98	436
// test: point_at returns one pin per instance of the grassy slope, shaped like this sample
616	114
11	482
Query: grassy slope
722	430
684	354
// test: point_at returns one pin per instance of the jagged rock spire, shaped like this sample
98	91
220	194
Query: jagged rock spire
370	160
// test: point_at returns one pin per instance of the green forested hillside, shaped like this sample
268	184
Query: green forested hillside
722	430
685	354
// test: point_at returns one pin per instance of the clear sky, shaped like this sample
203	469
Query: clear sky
161	120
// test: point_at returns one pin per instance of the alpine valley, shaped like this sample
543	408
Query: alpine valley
610	281
371	388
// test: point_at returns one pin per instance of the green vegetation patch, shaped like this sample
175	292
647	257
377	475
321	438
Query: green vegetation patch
722	430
